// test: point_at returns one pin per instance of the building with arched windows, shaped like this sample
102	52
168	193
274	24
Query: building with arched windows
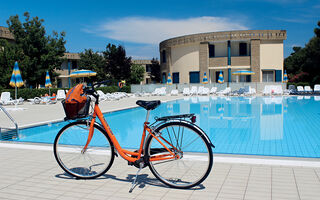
188	57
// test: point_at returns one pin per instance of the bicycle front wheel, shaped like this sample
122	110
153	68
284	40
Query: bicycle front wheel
71	157
193	155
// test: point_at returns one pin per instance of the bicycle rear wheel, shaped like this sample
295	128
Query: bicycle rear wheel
93	162
194	161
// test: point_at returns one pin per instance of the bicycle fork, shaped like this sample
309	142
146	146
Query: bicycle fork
90	135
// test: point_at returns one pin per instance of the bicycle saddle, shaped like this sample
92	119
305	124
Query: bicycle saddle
148	105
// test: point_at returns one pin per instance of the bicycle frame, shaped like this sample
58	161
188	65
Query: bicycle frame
127	155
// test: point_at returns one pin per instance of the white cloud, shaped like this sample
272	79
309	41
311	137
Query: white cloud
154	30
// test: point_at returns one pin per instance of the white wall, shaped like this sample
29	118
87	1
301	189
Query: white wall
271	55
185	58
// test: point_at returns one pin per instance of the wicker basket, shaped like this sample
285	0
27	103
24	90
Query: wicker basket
76	110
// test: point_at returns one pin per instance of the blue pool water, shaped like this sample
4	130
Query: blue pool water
274	126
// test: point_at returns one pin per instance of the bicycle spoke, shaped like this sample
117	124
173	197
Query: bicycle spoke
69	143
185	170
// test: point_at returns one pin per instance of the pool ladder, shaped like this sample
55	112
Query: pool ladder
8	133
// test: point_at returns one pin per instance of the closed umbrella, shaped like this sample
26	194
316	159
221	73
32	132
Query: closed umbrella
169	80
205	79
220	80
48	82
285	76
16	80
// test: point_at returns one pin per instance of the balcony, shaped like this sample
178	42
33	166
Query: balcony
218	62
240	61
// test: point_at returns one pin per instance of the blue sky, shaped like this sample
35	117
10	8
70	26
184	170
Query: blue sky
140	25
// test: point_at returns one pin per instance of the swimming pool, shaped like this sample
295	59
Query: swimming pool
273	126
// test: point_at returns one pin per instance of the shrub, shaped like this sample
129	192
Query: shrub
111	89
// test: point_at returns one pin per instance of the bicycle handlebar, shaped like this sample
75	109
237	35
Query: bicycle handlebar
91	91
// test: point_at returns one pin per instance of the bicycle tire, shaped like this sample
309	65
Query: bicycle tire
94	162
171	172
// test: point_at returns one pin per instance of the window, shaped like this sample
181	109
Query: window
164	77
278	75
164	58
74	64
243	49
211	50
175	77
267	76
148	68
194	77
245	78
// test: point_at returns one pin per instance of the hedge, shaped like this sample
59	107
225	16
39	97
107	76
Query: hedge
27	93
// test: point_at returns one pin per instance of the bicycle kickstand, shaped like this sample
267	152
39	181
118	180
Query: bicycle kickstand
135	179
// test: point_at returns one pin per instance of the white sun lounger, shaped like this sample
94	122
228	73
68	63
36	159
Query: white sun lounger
163	91
316	89
174	92
186	91
308	89
226	91
35	100
156	92
102	96
300	90
205	91
194	90
200	90
61	94
267	90
213	90
277	89
6	99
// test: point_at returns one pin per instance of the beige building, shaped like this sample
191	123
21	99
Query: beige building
186	58
5	34
147	75
69	65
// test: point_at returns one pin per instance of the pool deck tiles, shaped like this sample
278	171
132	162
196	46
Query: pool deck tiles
34	174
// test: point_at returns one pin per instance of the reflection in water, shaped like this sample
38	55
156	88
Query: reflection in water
278	126
257	125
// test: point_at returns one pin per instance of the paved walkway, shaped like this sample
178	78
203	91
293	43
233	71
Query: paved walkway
34	174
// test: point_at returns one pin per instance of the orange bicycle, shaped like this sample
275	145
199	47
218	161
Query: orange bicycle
177	151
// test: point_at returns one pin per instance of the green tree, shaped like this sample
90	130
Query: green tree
117	64
41	52
137	74
9	53
94	61
303	65
155	70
